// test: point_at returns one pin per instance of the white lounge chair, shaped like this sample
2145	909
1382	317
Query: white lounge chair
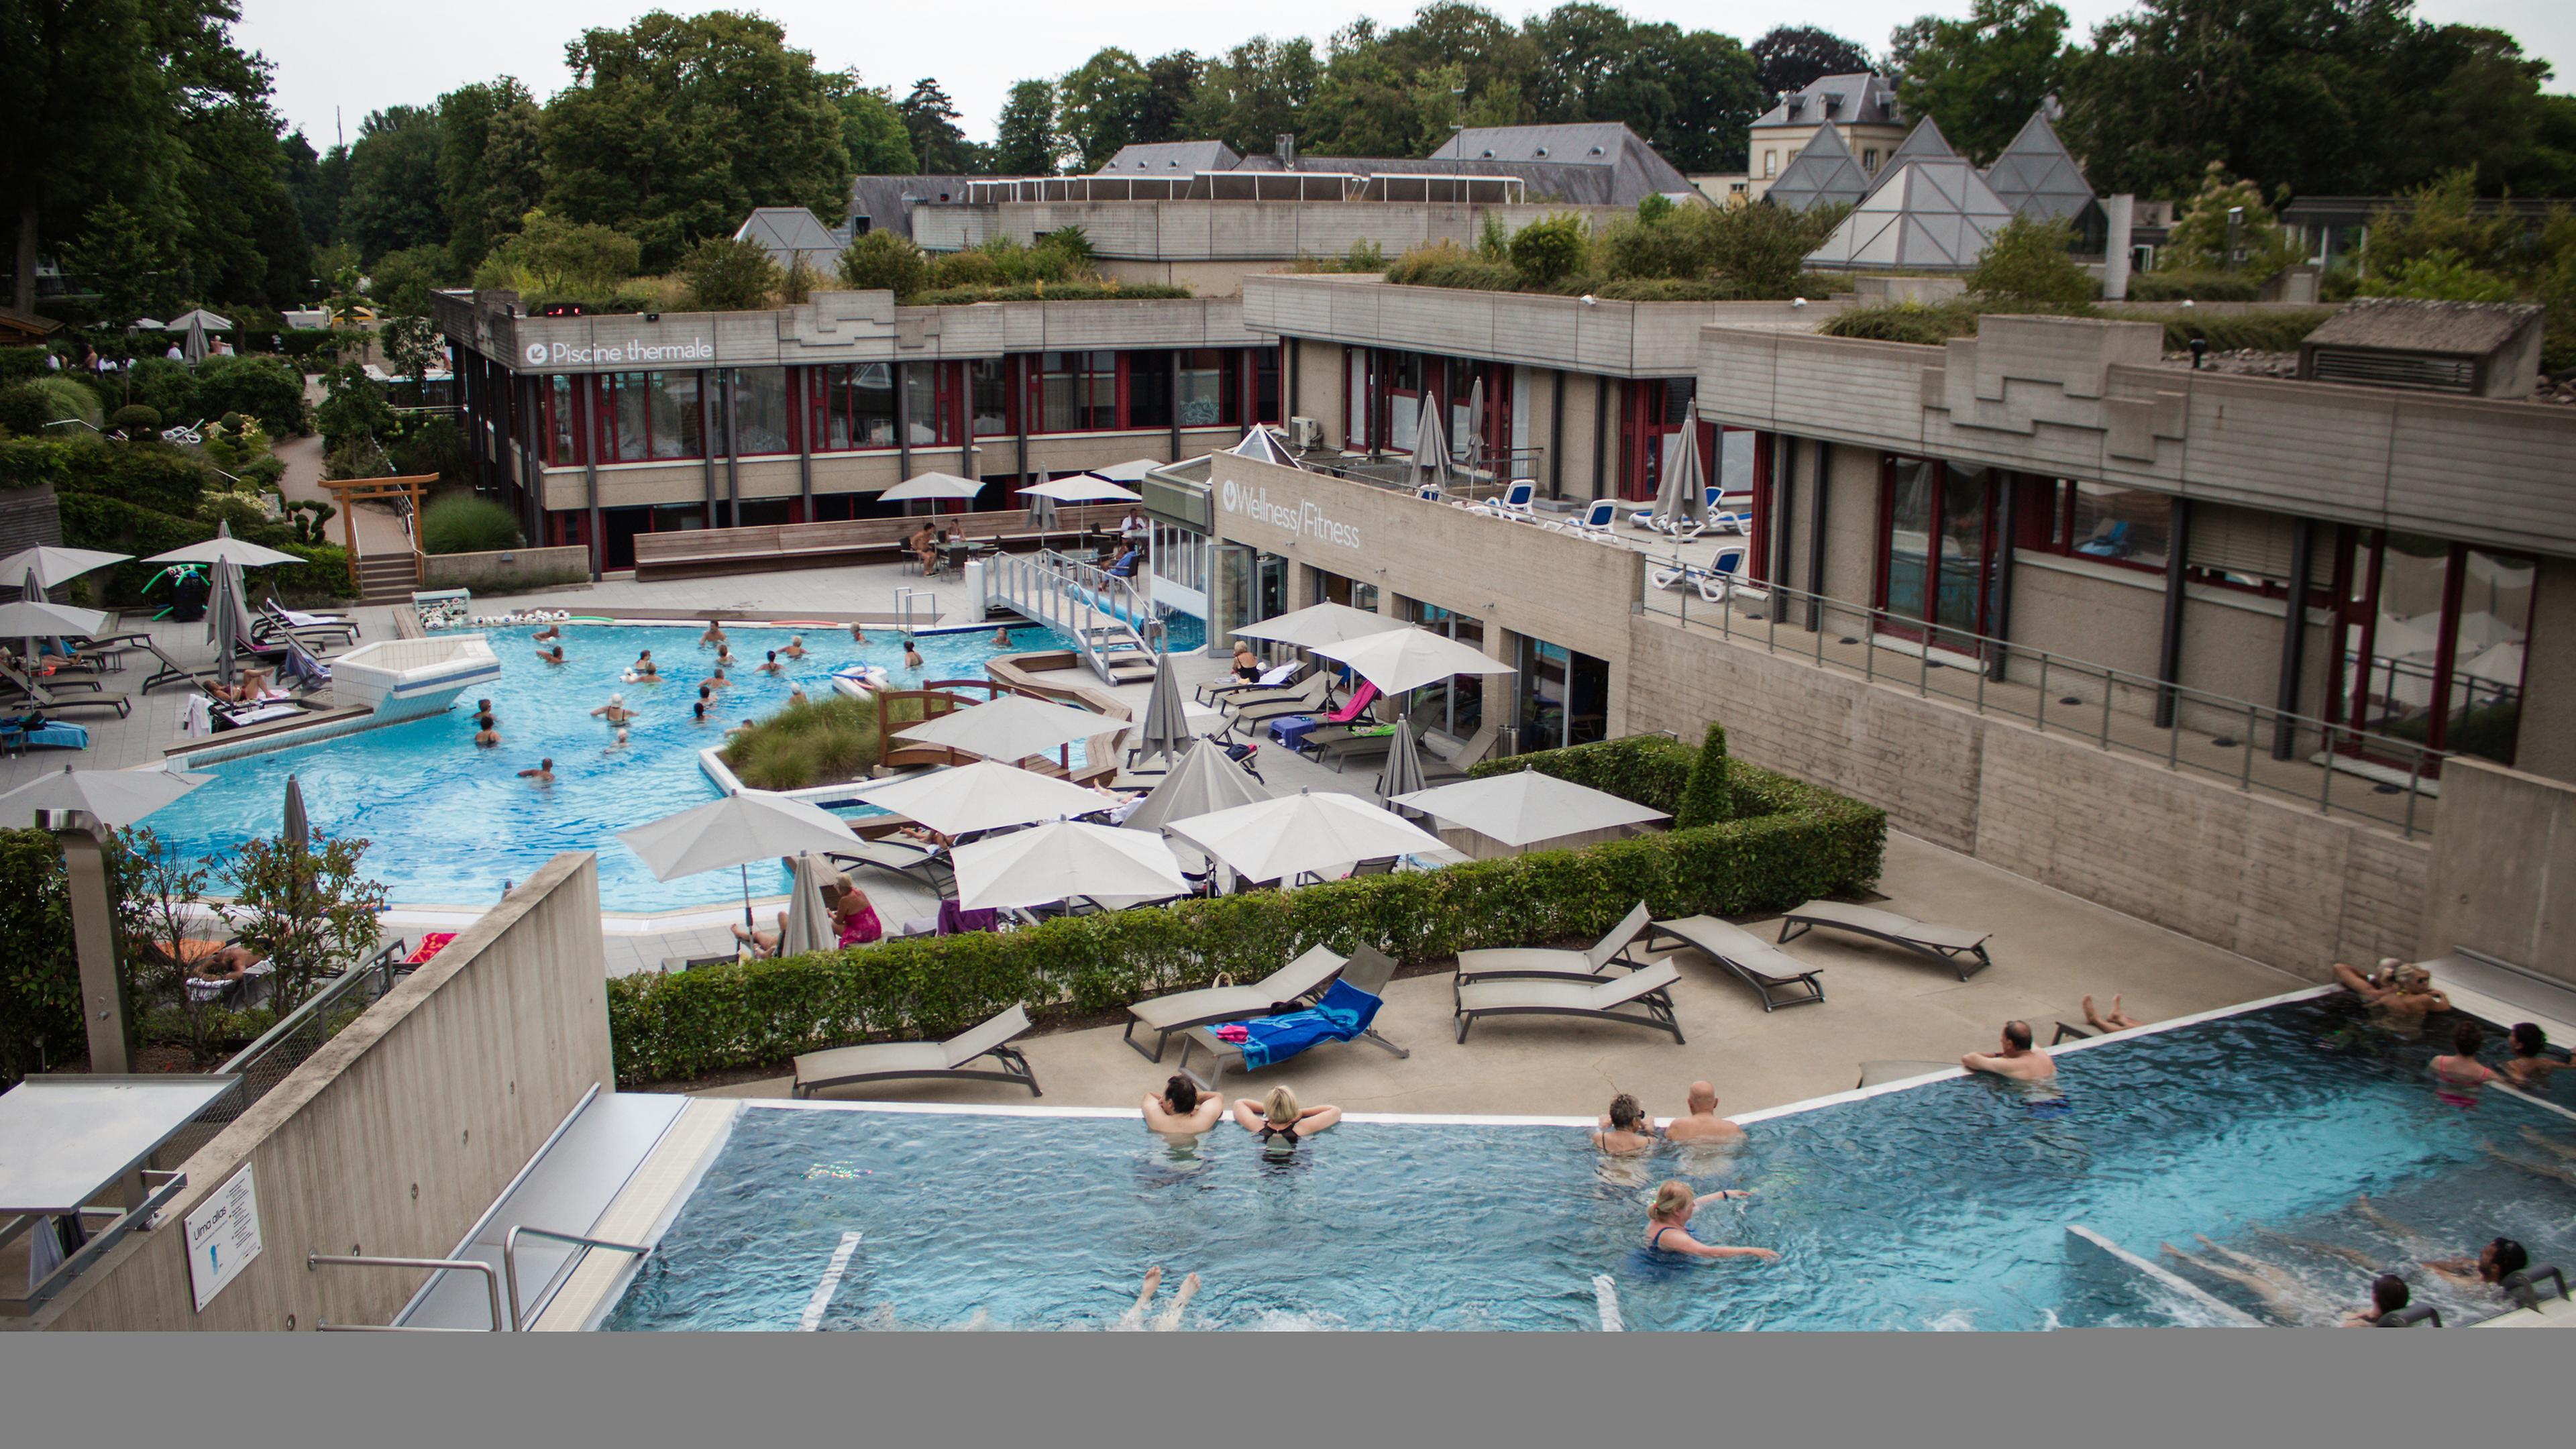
1782	979
1954	946
1648	990
1595	963
887	1061
1369	971
1516	501
1595	523
1167	1016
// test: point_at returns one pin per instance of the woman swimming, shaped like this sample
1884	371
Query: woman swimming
2458	1076
2530	1065
1280	1122
1626	1130
644	667
795	647
1668	1225
615	711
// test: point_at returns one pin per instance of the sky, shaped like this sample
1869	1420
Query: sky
331	72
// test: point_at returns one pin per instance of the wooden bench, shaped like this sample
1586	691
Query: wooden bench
810	545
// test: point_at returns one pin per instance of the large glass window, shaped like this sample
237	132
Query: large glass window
988	393
1909	536
1937	549
648	415
760	411
2132	526
1204	403
1265	385
1149	389
855	407
563	423
927	411
2432	639
1077	392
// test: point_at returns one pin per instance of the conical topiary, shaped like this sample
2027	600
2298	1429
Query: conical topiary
1706	800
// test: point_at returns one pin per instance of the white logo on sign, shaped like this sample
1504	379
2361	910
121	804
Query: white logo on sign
1233	495
536	352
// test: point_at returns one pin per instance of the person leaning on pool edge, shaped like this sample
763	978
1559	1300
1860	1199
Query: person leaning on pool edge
2017	1060
1182	1108
2388	1294
1280	1122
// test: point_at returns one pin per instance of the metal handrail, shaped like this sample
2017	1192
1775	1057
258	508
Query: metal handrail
1051	588
510	1258
1991	660
383	962
491	1280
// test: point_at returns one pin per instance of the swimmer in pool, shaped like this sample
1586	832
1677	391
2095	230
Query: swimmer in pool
1002	638
716	680
1625	1130
618	743
543	774
796	694
2281	1290
615	711
1182	1110
2388	1294
2530	1065
858	632
715	634
552	656
2017	1060
1701	1123
2500	1257
551	631
698	712
2459	1074
1668	1226
1170	1318
738	729
2400	994
771	665
1280	1122
2118	1020
795	646
486	734
911	656
645	667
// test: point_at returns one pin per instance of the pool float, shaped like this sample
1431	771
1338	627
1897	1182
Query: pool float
860	679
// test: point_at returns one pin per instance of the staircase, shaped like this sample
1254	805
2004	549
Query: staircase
387	578
1080	601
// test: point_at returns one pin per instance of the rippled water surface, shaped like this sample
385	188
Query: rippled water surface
1942	1207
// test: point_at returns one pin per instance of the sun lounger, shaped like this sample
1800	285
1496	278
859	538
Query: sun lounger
888	1061
928	864
1649	990
1782	979
174	672
48	701
1594	963
1167	1016
274	621
1351	1002
1219	691
1306	698
1952	945
1336	745
29	732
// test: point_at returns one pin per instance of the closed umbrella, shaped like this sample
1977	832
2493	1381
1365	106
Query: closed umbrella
1205	781
809	921
118	798
1403	772
1473	438
742	827
965	799
1166	730
1526	806
192	343
55	566
1683	497
226	618
224	548
945	486
1324	623
1410	658
1430	463
298	830
1011	727
1300	834
32	617
1063	859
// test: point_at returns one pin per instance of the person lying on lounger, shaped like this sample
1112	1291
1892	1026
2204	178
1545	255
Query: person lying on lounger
1170	1318
760	943
1182	1110
1701	1123
2400	994
2017	1060
2117	1020
1668	1225
224	963
1280	1122
2388	1294
1625	1130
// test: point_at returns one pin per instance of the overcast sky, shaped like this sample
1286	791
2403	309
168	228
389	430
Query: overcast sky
329	61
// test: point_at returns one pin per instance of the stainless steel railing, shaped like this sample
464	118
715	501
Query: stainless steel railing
491	1280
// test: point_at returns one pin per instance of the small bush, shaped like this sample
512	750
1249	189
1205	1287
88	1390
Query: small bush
884	261
821	742
1706	799
1549	249
1927	326
1108	291
263	387
2195	285
2028	262
463	523
27	407
1447	264
728	275
137	421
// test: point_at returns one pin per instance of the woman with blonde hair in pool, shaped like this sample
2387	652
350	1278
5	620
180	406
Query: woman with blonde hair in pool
1668	1225
795	647
1280	1122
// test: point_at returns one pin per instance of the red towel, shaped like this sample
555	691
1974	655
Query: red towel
1233	1032
431	943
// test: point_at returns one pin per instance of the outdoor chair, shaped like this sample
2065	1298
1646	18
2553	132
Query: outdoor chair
1515	501
1347	1012
277	624
21	733
1338	745
48	702
912	860
1781	978
1953	946
1593	963
1642	998
947	1060
1215	691
1307	698
1166	1016
1593	523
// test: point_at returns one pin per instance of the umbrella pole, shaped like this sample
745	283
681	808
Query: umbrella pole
746	898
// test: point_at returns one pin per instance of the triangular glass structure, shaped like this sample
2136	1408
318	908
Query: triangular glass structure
1931	215
1261	443
2037	177
1924	143
1823	173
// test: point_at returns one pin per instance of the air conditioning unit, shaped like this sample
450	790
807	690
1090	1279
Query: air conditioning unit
1305	435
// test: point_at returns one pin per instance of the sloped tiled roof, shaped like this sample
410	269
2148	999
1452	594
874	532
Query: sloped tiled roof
2405	324
1857	99
1931	215
2037	177
1640	171
1821	174
1172	158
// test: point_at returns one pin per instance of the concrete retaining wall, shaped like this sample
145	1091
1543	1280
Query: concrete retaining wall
2275	882
508	571
394	1137
2507	888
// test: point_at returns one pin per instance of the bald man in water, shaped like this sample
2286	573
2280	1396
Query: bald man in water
2017	1060
1702	1124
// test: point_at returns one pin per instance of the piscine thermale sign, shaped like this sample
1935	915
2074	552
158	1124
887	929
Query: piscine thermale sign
1301	518
634	351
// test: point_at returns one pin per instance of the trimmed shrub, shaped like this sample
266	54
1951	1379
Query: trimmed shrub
2028	262
463	523
2197	285
1549	249
1705	798
820	742
1447	264
264	387
1790	842
137	421
1914	322
884	261
724	274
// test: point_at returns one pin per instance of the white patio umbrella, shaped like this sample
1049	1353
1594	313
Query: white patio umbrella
1063	859
809	921
224	548
31	616
963	799
1526	806
1283	838
54	566
1410	658
932	485
1131	471
1012	727
744	826
1166	729
1324	623
117	797
1205	781
1682	498
1430	460
1083	488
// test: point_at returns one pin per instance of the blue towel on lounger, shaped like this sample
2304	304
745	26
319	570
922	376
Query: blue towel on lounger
1344	1013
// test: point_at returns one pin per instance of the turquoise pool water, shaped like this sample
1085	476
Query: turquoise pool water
1941	1207
450	823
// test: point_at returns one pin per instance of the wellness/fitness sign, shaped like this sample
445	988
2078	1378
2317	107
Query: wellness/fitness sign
1302	518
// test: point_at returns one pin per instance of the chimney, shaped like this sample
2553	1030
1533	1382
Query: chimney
1286	146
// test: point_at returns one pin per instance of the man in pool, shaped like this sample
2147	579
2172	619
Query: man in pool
2017	1060
738	729
618	743
2500	1257
2529	1066
911	657
2400	994
1002	638
615	711
486	734
1701	1123
796	694
2388	1294
1182	1110
716	680
645	668
551	631
715	634
543	774
1668	1225
552	656
771	665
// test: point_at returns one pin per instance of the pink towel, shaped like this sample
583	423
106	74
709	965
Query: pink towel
1233	1033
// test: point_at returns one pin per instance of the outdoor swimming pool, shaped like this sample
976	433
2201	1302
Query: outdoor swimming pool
450	823
1944	1206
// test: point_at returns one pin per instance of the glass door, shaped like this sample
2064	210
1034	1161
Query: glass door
1937	575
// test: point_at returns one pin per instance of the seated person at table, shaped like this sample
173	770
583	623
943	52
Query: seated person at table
854	916
1125	568
1134	524
924	545
1182	1109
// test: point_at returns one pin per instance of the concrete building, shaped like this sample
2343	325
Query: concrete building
1861	109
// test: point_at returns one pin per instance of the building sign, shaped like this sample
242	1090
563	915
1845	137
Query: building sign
223	1236
1304	519
633	352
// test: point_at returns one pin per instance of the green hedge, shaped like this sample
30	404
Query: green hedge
2279	329
1790	842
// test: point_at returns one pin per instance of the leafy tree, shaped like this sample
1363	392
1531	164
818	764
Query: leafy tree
394	183
269	389
1256	92
161	891
1170	81
2442	218
2029	262
2199	236
1549	249
355	412
411	344
930	119
1024	139
1099	104
550	256
675	128
1790	56
872	130
491	164
728	275
124	257
1981	77
40	994
304	906
1744	252
317	184
402	281
2441	276
883	261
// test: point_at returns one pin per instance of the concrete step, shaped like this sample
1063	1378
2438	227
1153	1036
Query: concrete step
387	578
